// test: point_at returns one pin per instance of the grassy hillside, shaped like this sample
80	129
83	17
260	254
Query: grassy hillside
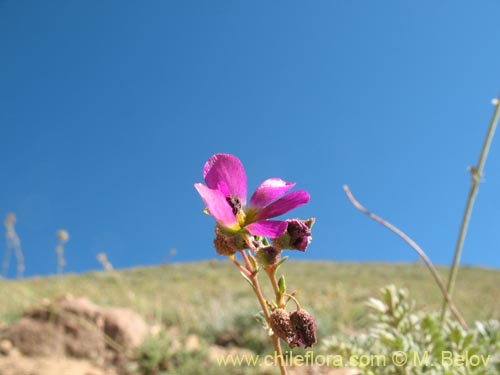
210	298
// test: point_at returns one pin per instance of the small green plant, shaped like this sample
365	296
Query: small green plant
163	354
402	340
154	355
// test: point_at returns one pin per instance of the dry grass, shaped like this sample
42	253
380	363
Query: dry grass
209	296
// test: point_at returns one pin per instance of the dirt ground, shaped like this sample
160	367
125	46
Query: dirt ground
17	364
73	336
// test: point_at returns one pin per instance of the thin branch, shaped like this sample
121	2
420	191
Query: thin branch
247	261
291	297
253	277
243	269
415	247
477	174
6	261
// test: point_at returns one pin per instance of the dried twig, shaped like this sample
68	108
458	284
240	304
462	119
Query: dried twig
415	247
476	173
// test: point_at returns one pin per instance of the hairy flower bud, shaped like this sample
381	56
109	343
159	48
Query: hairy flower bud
226	243
297	235
267	256
283	328
304	327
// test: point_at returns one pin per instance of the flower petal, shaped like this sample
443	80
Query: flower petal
218	207
287	203
269	191
225	172
268	228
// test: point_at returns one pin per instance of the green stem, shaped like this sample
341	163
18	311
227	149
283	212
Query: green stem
276	340
260	296
240	267
6	261
20	261
297	303
279	353
262	301
477	174
271	272
247	261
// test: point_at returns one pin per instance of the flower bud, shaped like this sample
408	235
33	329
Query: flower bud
304	327
267	256
282	327
297	235
227	243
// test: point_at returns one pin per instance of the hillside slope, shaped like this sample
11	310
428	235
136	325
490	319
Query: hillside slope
208	296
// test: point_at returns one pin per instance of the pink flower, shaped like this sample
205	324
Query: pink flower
225	196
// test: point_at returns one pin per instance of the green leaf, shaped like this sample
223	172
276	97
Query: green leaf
253	262
272	305
467	341
261	318
247	279
282	285
455	335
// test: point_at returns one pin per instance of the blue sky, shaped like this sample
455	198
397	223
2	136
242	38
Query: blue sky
110	109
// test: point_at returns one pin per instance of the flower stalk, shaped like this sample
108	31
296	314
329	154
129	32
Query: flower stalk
13	246
245	228
62	237
262	301
271	273
476	174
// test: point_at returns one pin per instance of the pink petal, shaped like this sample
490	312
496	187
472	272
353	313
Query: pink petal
225	172
272	229
269	191
281	206
218	207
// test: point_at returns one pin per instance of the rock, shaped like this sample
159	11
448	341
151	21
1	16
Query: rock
174	335
155	330
125	327
192	343
77	328
69	326
22	365
6	347
35	338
